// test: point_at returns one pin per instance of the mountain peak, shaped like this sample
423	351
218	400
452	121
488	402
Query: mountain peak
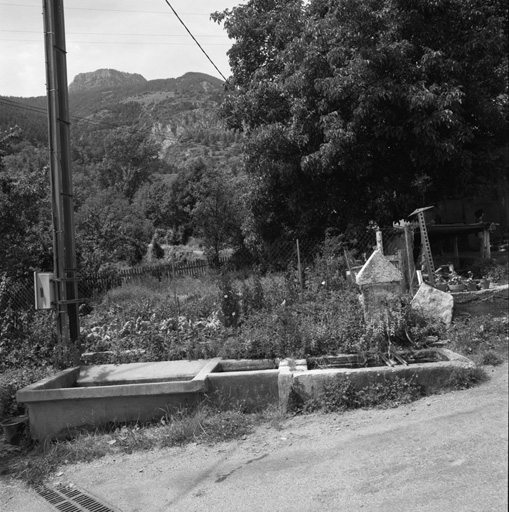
104	78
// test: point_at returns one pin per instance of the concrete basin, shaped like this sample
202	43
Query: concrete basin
89	396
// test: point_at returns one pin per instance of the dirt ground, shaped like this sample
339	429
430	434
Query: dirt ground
443	453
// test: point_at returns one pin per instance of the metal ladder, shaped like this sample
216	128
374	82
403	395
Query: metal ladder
426	248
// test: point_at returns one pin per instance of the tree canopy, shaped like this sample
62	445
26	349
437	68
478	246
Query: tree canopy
25	209
129	160
358	110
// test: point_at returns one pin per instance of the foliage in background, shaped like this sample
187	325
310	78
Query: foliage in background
492	269
130	158
110	230
25	211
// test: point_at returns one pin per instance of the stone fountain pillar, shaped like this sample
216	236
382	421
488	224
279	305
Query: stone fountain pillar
380	283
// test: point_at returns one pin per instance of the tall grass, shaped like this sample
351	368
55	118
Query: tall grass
204	424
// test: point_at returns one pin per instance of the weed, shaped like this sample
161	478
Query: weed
476	337
339	394
230	302
203	423
461	378
491	358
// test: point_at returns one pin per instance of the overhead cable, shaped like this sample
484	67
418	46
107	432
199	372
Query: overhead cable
195	40
108	10
40	110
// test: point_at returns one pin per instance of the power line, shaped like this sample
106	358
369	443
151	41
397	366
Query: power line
30	108
109	34
109	10
195	40
43	111
114	42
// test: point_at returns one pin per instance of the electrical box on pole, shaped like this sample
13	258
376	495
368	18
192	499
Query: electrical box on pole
44	290
64	247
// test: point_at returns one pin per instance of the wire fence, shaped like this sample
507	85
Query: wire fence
17	295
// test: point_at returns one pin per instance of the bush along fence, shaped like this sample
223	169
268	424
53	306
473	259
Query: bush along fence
93	284
18	294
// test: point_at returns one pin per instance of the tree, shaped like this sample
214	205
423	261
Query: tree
110	230
129	161
202	201
25	208
357	110
217	213
182	198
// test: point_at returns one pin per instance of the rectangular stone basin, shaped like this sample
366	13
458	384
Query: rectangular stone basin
89	396
297	381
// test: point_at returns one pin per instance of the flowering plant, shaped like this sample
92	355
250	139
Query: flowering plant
470	278
439	277
455	279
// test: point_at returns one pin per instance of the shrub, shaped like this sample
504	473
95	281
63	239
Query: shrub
339	394
479	335
13	380
32	344
461	378
157	252
330	265
491	358
490	268
498	274
230	302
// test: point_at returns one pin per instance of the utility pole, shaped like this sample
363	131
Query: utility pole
64	246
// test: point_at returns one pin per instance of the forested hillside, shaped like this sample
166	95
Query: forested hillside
145	156
176	111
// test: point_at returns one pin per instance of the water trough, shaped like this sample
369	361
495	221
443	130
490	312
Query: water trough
89	396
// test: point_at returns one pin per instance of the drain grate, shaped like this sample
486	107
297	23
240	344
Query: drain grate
72	500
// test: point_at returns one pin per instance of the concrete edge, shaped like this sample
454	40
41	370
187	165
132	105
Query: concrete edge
158	388
63	379
201	376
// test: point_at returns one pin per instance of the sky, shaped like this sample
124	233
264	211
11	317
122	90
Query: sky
126	35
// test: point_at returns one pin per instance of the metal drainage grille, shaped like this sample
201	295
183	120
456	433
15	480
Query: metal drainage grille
72	500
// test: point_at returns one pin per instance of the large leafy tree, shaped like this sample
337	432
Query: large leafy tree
109	229
130	158
203	201
217	213
357	110
175	204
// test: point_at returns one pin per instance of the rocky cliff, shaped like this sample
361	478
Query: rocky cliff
104	78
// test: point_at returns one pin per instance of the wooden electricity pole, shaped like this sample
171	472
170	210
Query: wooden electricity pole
64	247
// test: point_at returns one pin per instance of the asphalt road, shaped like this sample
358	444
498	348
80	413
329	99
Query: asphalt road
442	453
